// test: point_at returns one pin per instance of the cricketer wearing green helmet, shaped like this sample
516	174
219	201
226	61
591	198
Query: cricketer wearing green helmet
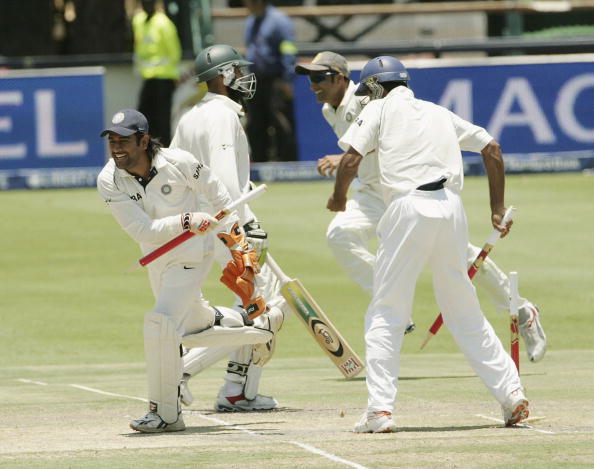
224	60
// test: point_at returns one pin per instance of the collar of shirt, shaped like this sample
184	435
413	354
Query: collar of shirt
402	91
235	107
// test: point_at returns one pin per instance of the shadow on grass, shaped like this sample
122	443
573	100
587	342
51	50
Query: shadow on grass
214	429
446	429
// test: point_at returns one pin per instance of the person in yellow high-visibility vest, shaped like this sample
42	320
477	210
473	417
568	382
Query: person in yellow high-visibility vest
157	53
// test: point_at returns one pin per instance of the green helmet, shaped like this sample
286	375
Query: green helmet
211	61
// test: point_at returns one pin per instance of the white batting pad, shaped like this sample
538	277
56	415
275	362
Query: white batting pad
252	381
200	358
219	335
163	364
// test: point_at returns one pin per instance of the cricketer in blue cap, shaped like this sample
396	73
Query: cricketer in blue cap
127	122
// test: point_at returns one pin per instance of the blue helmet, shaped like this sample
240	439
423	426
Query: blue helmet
378	70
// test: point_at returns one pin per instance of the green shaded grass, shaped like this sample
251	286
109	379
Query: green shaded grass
65	296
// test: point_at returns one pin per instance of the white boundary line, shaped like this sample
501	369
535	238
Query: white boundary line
304	446
521	425
30	381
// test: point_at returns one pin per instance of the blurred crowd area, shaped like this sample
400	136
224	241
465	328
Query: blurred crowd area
65	27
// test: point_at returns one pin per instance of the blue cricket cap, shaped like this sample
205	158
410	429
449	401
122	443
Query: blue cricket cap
127	122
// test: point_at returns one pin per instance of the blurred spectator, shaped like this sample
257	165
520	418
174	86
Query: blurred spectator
26	27
97	27
270	46
157	54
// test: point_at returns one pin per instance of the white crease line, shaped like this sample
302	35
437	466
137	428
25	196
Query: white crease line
105	393
309	448
327	455
30	381
521	425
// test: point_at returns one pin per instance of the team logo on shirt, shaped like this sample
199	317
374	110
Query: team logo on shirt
197	170
358	121
136	197
166	189
226	145
348	117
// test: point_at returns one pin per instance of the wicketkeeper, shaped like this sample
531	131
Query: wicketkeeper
155	194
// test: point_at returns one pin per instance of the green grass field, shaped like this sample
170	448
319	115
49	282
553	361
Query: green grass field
72	328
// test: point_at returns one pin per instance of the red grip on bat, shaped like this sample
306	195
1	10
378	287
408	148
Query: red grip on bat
168	246
436	324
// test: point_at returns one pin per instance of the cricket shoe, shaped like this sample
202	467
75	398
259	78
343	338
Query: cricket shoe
241	404
152	423
532	332
271	321
377	422
515	409
185	395
411	327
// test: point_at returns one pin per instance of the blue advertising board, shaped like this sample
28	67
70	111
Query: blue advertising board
49	126
541	109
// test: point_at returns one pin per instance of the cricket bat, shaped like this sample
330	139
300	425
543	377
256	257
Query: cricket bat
317	323
179	239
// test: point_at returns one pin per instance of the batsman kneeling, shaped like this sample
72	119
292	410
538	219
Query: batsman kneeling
154	193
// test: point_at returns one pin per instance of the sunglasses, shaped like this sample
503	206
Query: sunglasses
320	77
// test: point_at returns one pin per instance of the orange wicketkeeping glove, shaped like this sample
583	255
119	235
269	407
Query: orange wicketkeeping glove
239	275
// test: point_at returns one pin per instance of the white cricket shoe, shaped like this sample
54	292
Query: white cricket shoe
241	404
377	422
532	332
515	409
185	395
152	423
271	321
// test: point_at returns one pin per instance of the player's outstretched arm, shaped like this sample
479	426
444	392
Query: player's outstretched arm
347	170
493	161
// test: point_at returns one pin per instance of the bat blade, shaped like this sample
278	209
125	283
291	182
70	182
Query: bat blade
322	330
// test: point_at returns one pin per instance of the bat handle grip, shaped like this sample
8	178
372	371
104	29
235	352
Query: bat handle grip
509	213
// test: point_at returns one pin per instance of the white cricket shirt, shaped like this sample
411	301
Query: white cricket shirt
212	132
151	215
340	119
418	141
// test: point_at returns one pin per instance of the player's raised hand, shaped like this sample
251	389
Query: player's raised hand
328	164
198	222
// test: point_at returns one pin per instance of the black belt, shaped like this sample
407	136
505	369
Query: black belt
432	186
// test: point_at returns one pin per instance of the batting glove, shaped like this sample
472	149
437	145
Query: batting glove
198	222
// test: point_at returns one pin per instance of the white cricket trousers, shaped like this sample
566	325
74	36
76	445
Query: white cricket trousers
349	233
419	228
